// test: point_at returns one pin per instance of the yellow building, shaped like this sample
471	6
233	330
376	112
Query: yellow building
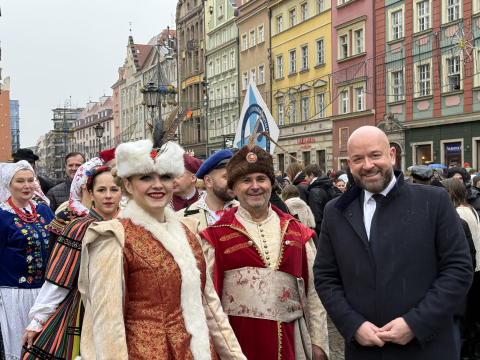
301	69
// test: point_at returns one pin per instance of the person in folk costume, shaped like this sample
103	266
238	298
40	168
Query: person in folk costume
57	315
143	276
218	198
261	260
78	204
23	251
185	193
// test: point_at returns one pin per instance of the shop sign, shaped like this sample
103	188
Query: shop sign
305	146
453	148
306	140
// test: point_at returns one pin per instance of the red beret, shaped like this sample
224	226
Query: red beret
107	155
191	164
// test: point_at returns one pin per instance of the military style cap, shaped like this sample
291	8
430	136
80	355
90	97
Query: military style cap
216	161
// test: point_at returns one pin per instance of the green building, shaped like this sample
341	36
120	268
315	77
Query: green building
223	104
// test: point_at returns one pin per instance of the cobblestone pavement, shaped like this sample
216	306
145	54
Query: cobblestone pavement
337	346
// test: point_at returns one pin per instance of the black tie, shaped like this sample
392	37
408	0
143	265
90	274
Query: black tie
373	229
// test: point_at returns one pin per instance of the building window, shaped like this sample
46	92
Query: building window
199	132
261	74
292	18
293	62
304	11
345	102
219	127
233	92
293	111
424	79
321	105
360	99
212	99
225	94
319	6
397	20
359	41
225	63
304	50
305	109
244	42
397	85
343	47
279	25
280	67
220	11
252	38
261	35
212	128
453	73
233	125
224	35
244	80
453	10
217	39
219	97
232	60
217	65
423	15
253	76
320	52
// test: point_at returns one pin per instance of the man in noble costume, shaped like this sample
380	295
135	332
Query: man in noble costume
184	191
261	260
218	198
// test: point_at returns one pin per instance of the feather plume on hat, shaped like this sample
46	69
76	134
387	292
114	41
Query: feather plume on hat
158	155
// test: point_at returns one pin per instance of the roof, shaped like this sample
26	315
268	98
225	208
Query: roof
141	52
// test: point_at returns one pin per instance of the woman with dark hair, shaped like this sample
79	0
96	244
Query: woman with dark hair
470	222
297	177
54	332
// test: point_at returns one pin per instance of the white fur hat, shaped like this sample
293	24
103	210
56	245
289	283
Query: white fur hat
136	158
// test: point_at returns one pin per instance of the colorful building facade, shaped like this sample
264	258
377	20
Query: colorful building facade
301	64
5	139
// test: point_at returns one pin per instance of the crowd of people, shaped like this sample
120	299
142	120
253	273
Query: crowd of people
146	252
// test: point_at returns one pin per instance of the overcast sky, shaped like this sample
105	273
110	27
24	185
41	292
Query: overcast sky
54	49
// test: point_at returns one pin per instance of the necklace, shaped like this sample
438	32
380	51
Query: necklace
27	218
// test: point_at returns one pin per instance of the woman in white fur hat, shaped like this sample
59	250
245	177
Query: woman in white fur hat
143	276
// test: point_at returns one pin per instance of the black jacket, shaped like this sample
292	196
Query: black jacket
44	184
59	194
277	202
318	197
302	186
423	270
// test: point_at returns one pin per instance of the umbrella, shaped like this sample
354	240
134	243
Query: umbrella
441	166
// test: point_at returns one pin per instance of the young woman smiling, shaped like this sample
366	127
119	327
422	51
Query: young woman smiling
23	251
143	276
58	311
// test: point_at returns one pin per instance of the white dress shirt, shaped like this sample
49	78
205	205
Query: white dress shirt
369	205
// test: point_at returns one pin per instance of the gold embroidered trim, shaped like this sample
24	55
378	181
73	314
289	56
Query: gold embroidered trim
296	243
249	238
282	246
279	327
290	232
229	237
235	248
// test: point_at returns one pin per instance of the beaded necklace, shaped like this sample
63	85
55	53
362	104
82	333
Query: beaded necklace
27	218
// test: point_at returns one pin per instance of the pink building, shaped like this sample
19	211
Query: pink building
117	108
353	48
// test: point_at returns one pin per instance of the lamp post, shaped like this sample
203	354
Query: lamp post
162	93
62	168
99	133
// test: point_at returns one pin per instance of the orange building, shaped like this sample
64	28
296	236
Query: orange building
5	131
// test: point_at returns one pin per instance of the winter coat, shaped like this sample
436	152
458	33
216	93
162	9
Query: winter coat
423	270
320	193
276	201
302	186
472	193
59	194
299	209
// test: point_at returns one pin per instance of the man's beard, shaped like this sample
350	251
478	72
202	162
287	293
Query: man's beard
259	205
375	188
223	193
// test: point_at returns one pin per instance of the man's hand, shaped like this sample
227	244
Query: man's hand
366	335
318	353
396	331
28	337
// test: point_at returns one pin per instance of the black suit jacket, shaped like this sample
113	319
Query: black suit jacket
423	271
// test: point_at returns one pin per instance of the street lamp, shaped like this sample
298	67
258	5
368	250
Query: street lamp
62	154
99	133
